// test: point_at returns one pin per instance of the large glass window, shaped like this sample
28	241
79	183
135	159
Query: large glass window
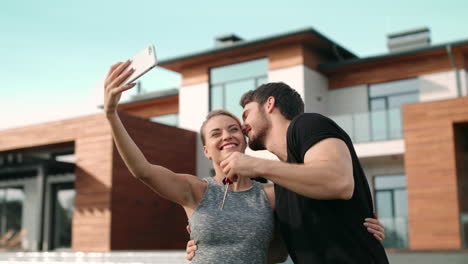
385	101
391	202
170	119
63	205
229	83
11	209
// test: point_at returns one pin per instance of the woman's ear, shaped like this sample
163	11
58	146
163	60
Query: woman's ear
205	151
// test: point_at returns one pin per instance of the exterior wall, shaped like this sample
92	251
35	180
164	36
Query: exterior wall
464	82
193	105
141	219
380	148
386	165
193	108
315	91
390	69
103	185
93	148
91	228
311	85
293	76
430	164
348	100
437	86
152	108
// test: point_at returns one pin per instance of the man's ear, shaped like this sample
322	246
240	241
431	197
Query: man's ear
205	151
270	104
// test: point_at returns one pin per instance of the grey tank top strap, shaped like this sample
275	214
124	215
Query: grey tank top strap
240	233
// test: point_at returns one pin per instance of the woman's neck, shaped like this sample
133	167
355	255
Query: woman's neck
241	184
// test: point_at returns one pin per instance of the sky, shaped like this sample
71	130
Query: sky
55	53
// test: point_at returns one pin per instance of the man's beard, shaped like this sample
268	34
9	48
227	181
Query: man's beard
258	143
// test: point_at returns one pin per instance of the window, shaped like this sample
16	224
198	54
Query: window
229	83
385	101
170	119
11	209
392	209
63	201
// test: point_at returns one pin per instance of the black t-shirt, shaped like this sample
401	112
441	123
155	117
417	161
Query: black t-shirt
325	231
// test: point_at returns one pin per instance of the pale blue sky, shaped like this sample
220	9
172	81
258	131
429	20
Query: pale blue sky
55	52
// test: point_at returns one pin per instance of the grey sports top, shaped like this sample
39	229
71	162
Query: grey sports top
240	233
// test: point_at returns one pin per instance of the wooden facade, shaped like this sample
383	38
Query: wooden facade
153	107
112	209
433	179
392	68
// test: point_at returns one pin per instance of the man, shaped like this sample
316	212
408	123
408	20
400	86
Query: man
322	194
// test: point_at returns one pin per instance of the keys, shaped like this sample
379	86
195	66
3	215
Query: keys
226	183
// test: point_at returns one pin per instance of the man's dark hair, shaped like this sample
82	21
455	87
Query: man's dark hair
288	100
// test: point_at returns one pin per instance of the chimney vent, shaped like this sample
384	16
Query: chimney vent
409	40
226	40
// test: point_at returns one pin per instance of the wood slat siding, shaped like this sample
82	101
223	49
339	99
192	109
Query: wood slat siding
430	164
396	68
112	209
154	222
93	151
286	55
152	108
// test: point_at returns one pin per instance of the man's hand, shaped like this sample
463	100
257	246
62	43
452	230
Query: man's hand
375	227
239	164
191	249
191	246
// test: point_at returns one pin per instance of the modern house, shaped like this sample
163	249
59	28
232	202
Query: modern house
406	111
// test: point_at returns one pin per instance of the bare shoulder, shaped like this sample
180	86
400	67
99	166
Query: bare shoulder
269	190
193	180
197	185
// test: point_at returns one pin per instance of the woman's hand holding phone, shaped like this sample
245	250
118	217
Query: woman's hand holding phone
114	85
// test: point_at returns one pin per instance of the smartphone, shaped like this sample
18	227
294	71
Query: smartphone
143	62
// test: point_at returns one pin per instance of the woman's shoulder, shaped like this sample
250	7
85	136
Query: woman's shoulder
198	184
269	190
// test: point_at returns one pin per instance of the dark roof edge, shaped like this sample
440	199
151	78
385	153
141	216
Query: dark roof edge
149	96
408	32
327	66
241	44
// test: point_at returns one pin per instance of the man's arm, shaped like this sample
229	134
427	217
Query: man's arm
327	172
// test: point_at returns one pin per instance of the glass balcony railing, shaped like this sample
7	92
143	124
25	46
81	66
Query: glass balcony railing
372	126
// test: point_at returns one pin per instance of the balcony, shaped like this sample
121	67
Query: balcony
372	126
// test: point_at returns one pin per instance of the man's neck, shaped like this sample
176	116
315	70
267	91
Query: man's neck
276	138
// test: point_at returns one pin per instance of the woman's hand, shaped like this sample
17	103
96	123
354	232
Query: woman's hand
113	86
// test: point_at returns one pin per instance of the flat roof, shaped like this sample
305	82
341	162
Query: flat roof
147	96
346	54
333	65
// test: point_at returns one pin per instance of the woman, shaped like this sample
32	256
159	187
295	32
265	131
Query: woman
241	230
